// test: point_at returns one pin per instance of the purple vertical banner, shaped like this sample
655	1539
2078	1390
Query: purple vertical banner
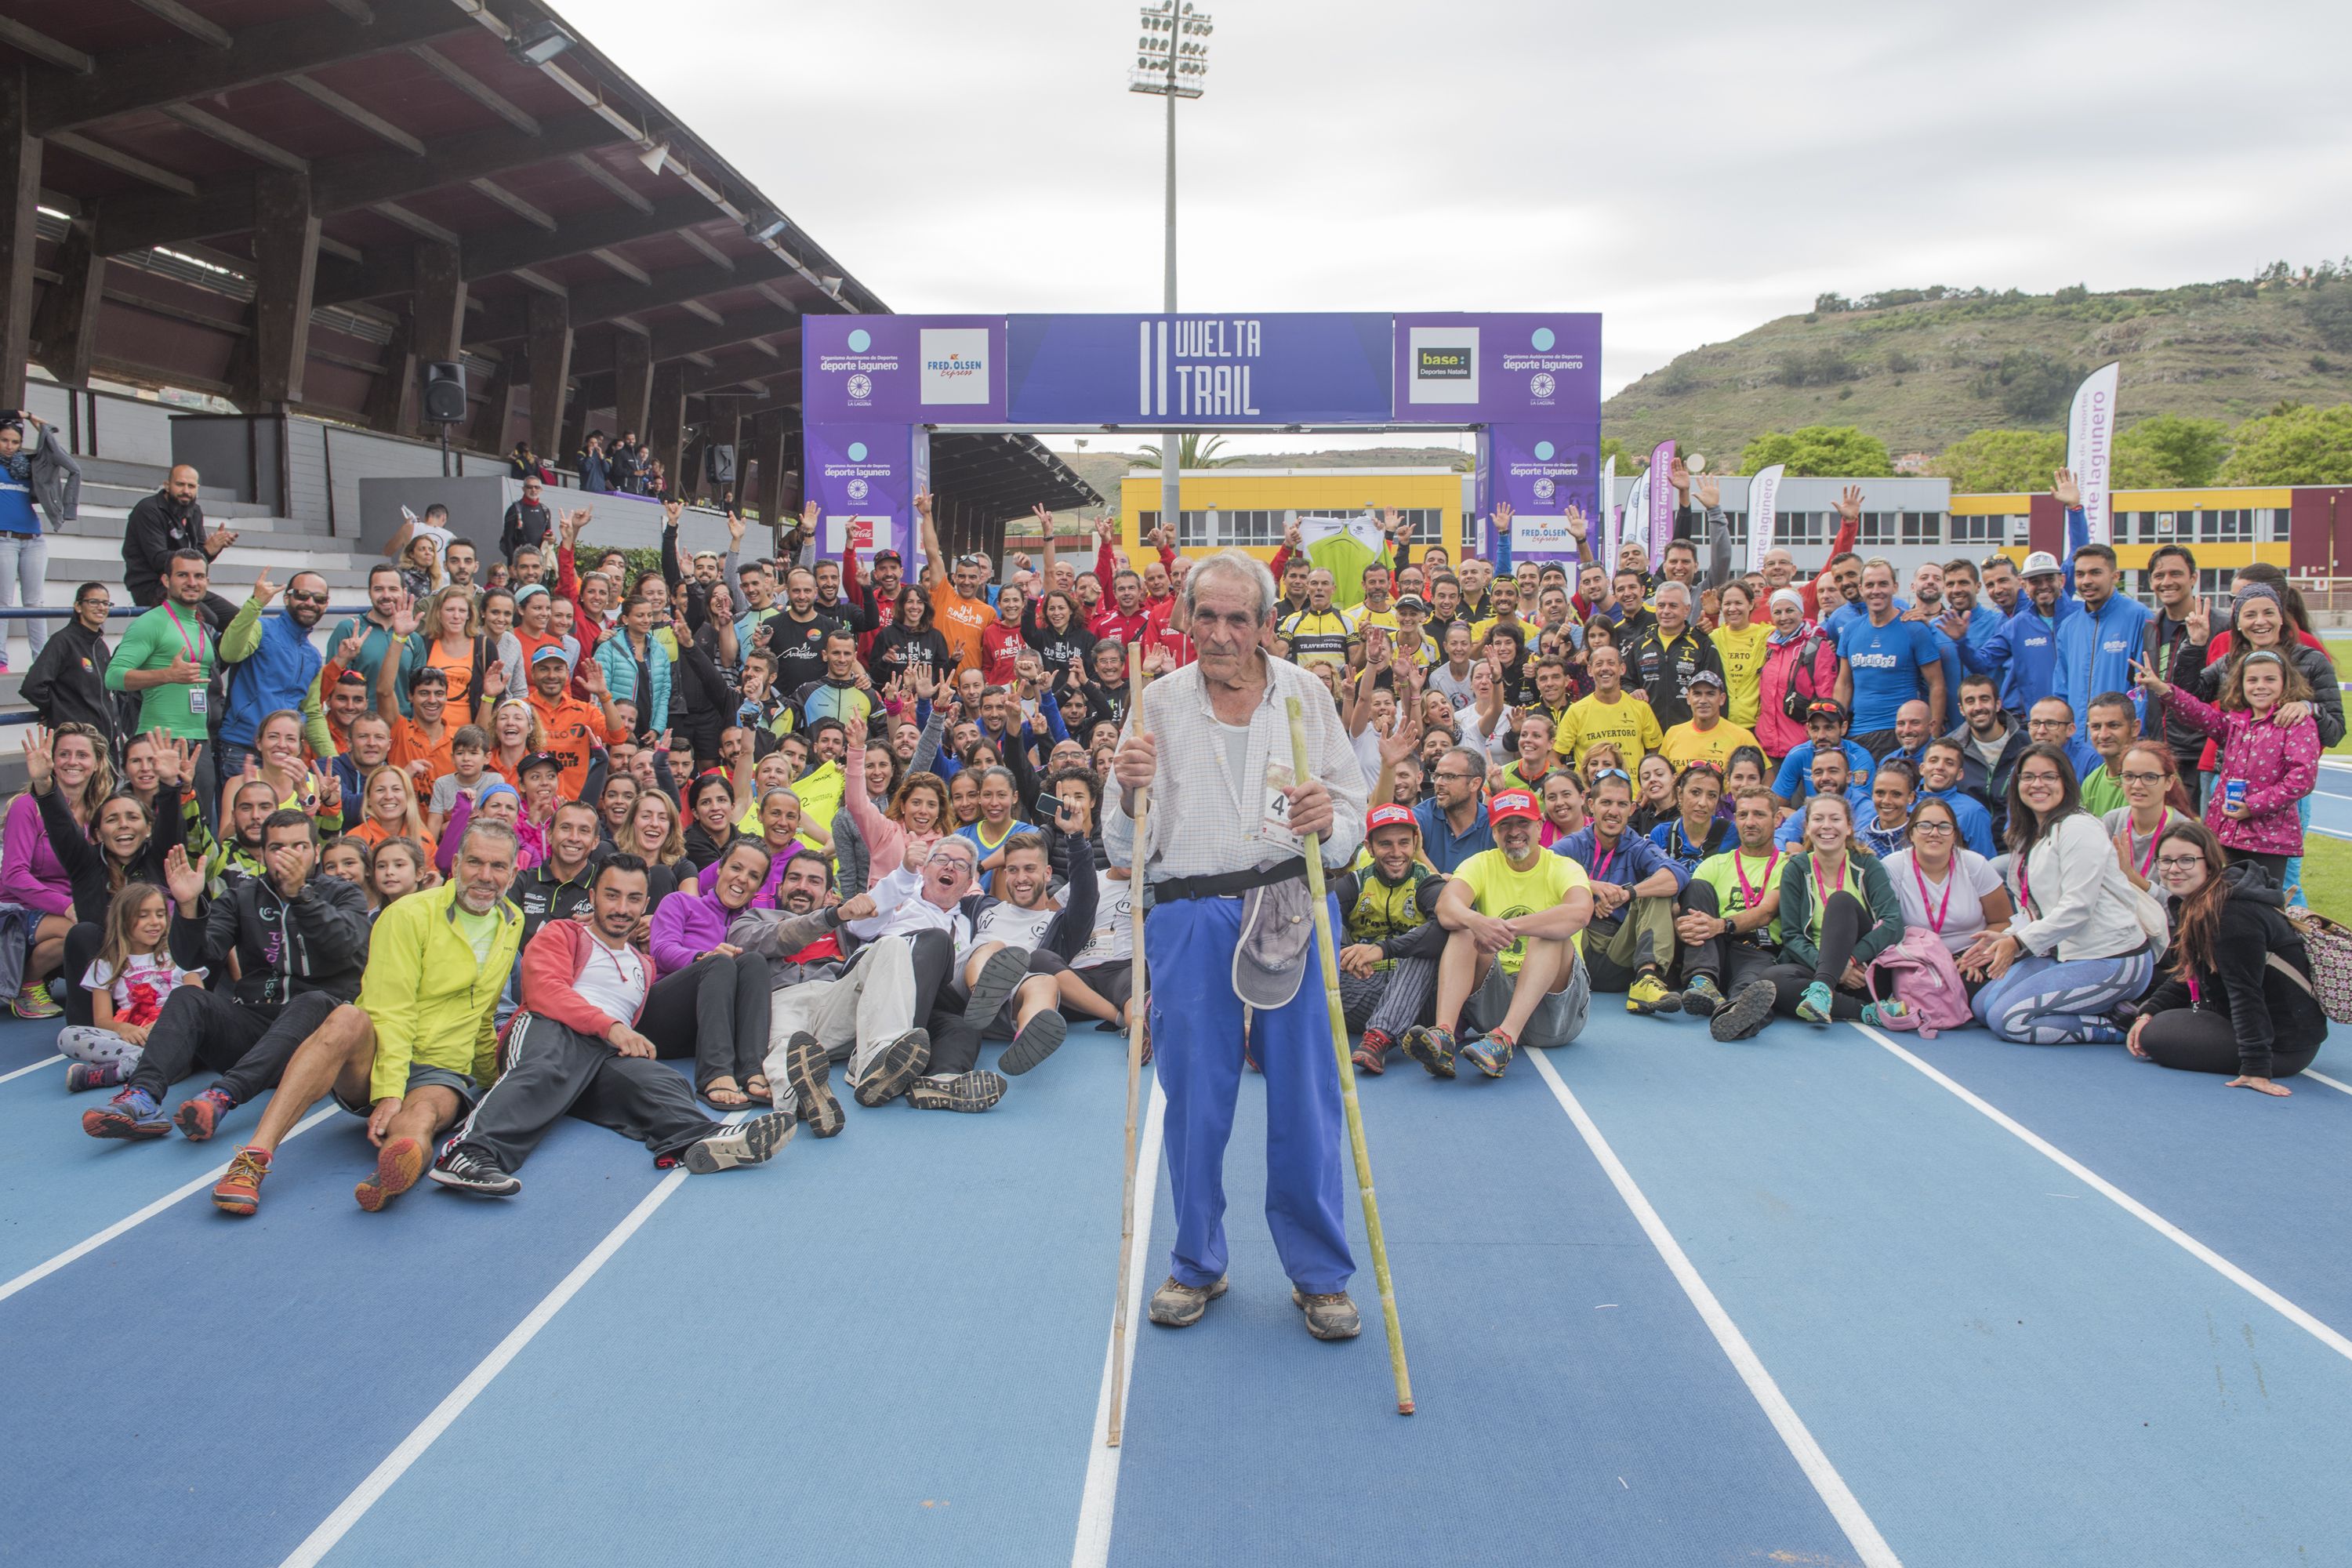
1662	502
1475	540
1541	470
864	479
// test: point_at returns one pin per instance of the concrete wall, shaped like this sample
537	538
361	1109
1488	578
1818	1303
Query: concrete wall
477	509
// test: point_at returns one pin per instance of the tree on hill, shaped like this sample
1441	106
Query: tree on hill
2295	446
1818	450
1193	450
1996	461
2030	385
2171	452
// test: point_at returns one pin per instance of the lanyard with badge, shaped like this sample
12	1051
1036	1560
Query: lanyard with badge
1750	897
197	694
1935	920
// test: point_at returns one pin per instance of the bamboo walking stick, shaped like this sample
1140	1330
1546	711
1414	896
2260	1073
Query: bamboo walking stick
1134	1070
1303	771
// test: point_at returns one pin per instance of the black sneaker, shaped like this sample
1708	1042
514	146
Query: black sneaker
1750	1009
1433	1048
902	1061
469	1169
1040	1037
1006	968
752	1142
810	1075
972	1091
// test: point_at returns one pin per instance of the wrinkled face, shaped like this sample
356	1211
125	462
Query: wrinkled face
1754	820
2049	723
505	806
2111	729
1674	609
1226	620
949	872
1026	877
1786	616
1320	586
1516	836
1940	767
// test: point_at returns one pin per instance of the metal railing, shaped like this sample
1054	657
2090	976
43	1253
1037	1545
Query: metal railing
119	613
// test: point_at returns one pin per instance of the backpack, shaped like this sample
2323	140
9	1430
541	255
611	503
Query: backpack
2329	947
1920	975
1794	703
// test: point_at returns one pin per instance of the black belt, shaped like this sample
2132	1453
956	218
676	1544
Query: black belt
1230	884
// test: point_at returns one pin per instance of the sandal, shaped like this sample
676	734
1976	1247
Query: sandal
721	1094
757	1086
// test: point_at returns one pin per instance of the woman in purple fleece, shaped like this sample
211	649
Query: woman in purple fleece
710	1002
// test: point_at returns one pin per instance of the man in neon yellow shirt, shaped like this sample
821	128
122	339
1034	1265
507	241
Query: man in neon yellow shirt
1514	966
1706	736
1608	714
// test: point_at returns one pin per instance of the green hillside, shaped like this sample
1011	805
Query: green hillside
1921	368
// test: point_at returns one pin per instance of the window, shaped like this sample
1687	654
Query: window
2276	522
1991	528
2227	525
1923	528
1800	528
1736	521
1877	528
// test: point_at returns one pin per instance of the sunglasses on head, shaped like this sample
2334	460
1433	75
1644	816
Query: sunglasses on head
1611	774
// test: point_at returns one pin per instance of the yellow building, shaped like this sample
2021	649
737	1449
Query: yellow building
1249	508
2225	527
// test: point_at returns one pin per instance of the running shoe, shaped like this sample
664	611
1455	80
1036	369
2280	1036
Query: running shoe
469	1169
1372	1053
133	1114
199	1118
810	1075
34	1002
1491	1054
752	1142
1876	1012
1006	968
397	1166
82	1077
1648	995
902	1062
1331	1317
1040	1037
1700	998
973	1091
238	1192
1433	1048
1813	1007
1176	1305
1750	1009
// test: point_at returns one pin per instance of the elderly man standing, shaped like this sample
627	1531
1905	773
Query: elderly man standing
1230	927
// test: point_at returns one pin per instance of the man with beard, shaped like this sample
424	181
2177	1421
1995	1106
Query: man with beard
171	519
276	667
418	1046
574	1049
1667	655
377	654
1027	919
1990	738
166	656
796	634
2024	652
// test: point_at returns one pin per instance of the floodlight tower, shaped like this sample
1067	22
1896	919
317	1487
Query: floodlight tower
1171	60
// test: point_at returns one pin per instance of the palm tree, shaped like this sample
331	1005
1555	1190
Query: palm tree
1192	451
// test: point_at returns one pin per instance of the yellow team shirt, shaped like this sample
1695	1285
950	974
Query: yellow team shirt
1743	670
1501	893
1686	742
1363	615
1626	723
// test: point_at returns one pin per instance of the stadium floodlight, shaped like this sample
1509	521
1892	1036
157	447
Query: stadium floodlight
1173	34
763	223
540	42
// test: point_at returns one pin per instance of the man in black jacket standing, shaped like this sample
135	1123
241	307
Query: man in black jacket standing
66	684
527	522
302	947
172	519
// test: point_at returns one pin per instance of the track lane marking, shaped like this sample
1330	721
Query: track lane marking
44	1062
1869	1545
1100	1499
2338	1085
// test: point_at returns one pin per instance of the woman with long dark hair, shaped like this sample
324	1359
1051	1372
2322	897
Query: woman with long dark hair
2237	997
911	640
2074	950
2154	801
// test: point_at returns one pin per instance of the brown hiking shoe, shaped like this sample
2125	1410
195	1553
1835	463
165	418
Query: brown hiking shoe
1331	1317
1176	1305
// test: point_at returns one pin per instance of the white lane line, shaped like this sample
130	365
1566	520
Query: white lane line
2132	1207
20	1072
1868	1544
1101	1495
2336	1084
363	1497
39	1272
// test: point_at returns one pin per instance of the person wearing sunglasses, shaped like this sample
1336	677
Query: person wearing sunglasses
278	668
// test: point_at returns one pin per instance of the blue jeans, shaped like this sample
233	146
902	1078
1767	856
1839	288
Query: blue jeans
1196	1039
24	569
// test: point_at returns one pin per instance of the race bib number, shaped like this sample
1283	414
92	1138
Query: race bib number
1274	826
199	700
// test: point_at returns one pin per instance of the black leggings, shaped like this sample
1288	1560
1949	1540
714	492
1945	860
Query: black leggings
1843	922
2196	1041
716	1011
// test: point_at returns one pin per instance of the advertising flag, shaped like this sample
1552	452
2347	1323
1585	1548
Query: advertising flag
1631	520
1662	502
1601	533
1763	509
2089	447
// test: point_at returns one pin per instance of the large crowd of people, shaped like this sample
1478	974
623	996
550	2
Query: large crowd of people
486	854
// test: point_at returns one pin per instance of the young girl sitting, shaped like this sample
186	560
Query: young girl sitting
127	982
395	869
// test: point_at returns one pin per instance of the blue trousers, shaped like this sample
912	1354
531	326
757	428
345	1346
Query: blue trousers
1196	1043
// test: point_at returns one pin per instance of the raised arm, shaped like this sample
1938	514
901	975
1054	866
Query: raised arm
934	573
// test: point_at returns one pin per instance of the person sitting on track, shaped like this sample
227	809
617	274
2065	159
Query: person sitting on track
1838	912
1047	933
712	1001
1513	967
1388	965
1730	926
574	1050
2237	994
1631	941
300	944
411	1055
1829	774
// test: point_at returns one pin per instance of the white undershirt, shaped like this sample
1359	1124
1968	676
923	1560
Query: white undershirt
614	983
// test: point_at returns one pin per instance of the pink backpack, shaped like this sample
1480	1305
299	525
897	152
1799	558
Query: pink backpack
1920	974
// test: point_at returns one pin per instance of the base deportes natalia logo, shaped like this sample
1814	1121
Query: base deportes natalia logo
1455	362
861	386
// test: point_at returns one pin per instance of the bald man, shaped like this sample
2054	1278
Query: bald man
172	519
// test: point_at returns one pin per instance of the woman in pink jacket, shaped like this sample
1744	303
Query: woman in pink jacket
915	819
2273	754
1793	639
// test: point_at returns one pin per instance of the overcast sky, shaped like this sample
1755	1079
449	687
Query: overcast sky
1688	172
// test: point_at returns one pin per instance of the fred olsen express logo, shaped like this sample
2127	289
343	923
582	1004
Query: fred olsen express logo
954	364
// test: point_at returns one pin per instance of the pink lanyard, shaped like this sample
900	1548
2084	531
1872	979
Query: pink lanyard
1601	872
1821	889
1935	920
2025	890
2196	993
1738	869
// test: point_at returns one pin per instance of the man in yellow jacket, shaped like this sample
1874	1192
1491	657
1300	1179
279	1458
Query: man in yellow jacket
420	1044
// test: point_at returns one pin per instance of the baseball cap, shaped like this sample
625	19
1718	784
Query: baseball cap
1413	602
2038	564
550	651
538	759
1381	816
889	555
1825	708
1706	677
1513	803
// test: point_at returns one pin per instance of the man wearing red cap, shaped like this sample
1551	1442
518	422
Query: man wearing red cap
1513	969
1388	966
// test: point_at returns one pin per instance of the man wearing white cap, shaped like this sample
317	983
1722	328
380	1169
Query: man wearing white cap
2026	646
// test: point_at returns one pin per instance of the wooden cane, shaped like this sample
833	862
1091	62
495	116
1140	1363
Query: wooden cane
1303	771
1134	1068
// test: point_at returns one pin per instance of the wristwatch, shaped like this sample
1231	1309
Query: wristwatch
1727	924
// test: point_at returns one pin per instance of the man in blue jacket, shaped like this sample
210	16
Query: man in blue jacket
2026	646
271	665
2095	647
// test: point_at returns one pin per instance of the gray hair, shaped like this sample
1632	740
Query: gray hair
1675	585
495	830
1232	562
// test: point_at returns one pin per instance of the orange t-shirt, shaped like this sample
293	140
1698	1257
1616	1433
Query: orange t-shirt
574	730
372	833
410	743
962	622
